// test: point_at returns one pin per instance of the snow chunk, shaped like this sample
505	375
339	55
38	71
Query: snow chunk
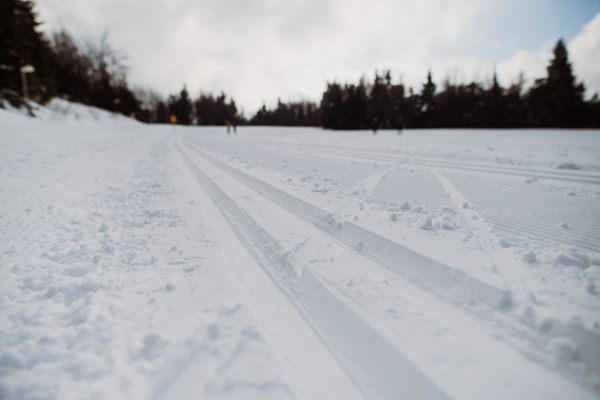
394	217
563	225
568	165
529	257
465	205
569	261
170	287
358	245
448	226
103	228
564	349
424	222
405	206
504	243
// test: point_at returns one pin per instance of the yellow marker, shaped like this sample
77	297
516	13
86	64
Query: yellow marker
173	119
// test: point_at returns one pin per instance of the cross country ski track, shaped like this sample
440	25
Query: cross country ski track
377	306
513	215
420	160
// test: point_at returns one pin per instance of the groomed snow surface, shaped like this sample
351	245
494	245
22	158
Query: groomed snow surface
147	262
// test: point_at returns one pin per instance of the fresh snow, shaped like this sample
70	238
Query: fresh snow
158	262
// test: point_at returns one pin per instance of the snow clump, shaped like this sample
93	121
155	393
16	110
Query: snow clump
563	225
394	217
574	259
529	257
564	349
358	245
424	222
568	165
405	206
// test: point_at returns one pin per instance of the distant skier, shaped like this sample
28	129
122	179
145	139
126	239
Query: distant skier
375	126
234	126
228	126
400	125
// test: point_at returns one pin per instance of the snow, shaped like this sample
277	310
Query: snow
146	262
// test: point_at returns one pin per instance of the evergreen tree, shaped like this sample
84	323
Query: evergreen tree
184	108
398	104
331	107
556	101
162	114
515	108
566	96
496	115
355	104
21	44
425	105
380	104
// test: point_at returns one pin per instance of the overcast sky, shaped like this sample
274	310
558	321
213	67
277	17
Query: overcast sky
261	50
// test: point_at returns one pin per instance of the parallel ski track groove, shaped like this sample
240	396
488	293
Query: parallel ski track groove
377	156
560	175
587	339
273	253
538	238
437	278
506	171
573	229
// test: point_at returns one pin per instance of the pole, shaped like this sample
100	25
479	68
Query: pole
24	81
25	70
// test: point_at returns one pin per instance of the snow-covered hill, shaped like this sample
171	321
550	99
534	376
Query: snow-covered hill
64	112
141	263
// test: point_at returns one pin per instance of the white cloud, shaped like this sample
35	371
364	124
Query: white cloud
585	55
260	50
531	64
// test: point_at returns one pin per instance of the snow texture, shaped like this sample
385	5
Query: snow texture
147	262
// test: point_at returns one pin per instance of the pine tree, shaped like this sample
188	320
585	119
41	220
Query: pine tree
566	96
556	101
380	105
426	105
21	44
495	105
184	108
331	107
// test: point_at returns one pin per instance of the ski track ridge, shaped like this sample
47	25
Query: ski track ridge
392	375
463	289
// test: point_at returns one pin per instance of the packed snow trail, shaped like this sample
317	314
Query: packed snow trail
532	270
123	276
118	283
307	249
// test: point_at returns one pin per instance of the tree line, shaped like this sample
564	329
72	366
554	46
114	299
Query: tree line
90	72
556	101
93	73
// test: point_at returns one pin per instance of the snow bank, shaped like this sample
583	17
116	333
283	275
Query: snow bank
65	112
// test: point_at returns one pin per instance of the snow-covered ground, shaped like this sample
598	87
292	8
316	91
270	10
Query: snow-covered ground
146	262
